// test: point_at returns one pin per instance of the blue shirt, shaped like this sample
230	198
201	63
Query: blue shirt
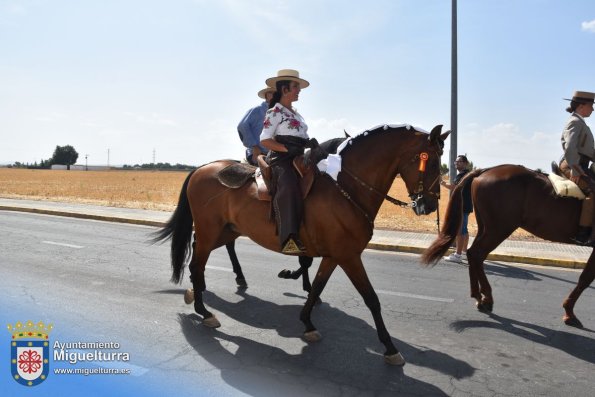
251	126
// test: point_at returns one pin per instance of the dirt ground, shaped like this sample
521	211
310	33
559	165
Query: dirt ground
159	190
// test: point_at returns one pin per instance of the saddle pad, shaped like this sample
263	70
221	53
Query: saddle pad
262	189
565	187
236	175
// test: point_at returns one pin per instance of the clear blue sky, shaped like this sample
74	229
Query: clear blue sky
134	76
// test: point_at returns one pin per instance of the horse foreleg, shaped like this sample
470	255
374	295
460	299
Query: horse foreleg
235	263
357	274
326	268
197	277
584	281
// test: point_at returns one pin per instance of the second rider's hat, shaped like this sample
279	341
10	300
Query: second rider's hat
582	97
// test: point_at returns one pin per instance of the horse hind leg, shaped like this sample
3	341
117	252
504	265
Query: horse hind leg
305	263
197	265
235	263
584	281
481	289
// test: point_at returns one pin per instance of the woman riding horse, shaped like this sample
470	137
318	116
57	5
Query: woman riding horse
285	134
579	151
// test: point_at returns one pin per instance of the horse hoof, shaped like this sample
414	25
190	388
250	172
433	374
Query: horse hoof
394	359
211	322
572	321
189	296
284	274
485	307
241	282
312	336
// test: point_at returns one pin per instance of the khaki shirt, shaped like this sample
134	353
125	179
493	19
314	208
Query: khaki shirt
577	140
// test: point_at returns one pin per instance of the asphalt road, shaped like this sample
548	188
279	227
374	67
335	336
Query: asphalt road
102	281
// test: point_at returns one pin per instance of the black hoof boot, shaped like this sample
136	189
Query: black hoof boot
485	307
573	322
241	282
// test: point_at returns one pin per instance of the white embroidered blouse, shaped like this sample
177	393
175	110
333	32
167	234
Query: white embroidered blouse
281	121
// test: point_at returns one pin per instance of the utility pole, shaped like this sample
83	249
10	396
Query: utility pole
107	157
453	96
154	164
86	163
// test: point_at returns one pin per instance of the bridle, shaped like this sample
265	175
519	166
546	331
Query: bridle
419	192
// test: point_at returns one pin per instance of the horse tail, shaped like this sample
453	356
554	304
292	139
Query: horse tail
452	222
179	229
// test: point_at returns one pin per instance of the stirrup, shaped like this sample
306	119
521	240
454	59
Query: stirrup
293	248
583	237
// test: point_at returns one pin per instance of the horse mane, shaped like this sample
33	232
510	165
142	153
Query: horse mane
377	130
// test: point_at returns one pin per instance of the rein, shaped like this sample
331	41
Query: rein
373	189
422	157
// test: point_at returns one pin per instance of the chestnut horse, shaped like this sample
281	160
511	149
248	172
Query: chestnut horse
505	198
338	215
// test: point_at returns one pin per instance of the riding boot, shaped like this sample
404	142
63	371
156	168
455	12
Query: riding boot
591	241
288	206
586	229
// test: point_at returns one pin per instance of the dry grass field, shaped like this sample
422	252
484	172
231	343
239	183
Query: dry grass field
159	190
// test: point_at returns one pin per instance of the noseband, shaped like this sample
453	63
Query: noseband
419	191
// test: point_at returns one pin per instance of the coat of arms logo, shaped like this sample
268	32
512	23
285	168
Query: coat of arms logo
29	348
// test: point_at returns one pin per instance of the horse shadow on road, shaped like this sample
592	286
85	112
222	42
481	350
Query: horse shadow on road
579	346
339	364
511	271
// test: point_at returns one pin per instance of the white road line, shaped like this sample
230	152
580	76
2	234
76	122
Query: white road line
224	269
406	295
401	294
62	244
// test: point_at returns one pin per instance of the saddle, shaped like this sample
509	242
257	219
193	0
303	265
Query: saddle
563	186
236	175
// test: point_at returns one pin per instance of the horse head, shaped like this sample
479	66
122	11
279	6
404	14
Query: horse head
421	174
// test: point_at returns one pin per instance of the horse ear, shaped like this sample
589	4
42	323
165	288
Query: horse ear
435	133
445	135
346	134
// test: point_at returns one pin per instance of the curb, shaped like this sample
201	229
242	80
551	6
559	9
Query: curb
569	264
84	216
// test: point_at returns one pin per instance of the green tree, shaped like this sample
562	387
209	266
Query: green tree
443	169
64	155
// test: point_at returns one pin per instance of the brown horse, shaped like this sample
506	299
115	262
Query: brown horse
338	216
505	198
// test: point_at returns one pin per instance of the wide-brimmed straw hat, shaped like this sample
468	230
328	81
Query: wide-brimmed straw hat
287	74
582	97
262	93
